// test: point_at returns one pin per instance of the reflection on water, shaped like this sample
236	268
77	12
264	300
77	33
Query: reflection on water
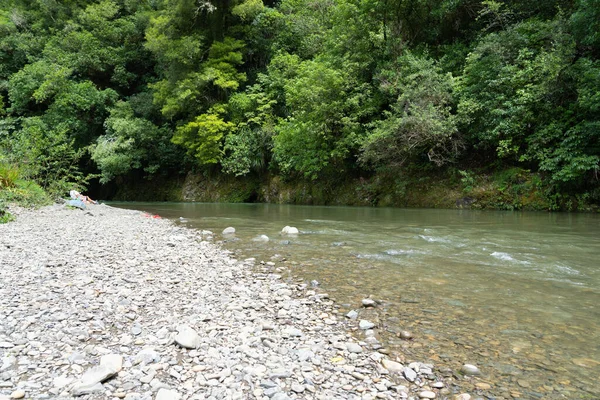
515	293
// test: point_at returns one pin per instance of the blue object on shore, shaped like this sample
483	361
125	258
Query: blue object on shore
76	203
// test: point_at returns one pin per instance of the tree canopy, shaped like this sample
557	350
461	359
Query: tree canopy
303	89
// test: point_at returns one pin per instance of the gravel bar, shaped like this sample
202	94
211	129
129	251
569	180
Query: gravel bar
107	303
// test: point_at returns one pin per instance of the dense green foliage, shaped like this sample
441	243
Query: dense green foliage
310	90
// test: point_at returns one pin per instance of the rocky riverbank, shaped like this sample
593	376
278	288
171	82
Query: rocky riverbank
110	303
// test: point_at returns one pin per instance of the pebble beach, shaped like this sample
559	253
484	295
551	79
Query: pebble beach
106	303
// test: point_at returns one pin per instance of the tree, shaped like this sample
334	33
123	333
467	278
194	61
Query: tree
419	124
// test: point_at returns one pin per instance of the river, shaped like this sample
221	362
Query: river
517	294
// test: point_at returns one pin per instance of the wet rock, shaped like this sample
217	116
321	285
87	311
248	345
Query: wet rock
470	369
406	335
462	396
289	230
229	230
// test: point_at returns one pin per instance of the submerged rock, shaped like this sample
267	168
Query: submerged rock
469	369
229	230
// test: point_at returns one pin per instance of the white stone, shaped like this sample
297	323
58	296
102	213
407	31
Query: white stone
353	347
229	230
187	337
427	394
290	230
470	369
392	366
410	374
166	394
369	303
364	324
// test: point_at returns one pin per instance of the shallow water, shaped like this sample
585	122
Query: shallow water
517	294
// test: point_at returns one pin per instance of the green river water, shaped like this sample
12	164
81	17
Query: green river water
517	294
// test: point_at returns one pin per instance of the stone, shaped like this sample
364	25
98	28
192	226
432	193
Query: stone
146	356
187	337
113	362
427	394
406	335
409	374
17	394
90	382
392	366
296	387
353	347
166	394
293	332
462	396
80	390
483	386
289	230
364	324
229	230
352	314
369	303
470	369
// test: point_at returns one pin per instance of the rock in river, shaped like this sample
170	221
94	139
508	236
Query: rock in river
229	230
469	369
289	230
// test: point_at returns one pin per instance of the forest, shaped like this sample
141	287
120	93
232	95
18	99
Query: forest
106	92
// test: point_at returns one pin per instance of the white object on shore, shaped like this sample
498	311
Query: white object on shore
262	238
166	394
229	230
364	324
289	230
91	381
187	337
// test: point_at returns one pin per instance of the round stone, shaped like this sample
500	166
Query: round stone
470	369
17	394
427	394
405	335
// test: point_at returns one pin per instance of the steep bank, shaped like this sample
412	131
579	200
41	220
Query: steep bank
509	189
111	303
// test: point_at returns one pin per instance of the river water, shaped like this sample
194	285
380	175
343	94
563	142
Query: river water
517	294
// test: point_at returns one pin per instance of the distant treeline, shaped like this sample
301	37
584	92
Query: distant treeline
300	89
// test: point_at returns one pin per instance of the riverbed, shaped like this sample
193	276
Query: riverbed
514	293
